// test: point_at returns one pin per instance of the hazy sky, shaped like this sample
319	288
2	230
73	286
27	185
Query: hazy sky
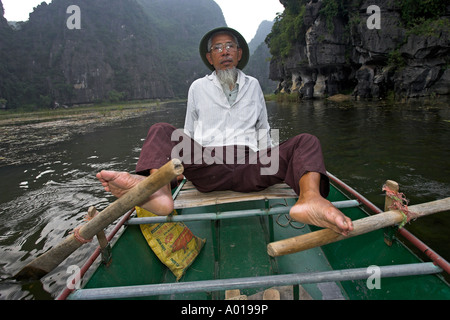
246	15
18	10
242	15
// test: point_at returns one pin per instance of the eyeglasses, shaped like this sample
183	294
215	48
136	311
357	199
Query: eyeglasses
219	47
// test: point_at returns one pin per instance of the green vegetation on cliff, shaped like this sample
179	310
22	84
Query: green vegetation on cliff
322	48
289	27
417	12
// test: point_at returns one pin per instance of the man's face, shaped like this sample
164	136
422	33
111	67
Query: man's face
226	59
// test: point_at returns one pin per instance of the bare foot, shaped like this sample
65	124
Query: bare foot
118	183
316	210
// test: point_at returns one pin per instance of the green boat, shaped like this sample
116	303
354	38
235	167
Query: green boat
380	265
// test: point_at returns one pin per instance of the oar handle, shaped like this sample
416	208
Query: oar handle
361	226
48	261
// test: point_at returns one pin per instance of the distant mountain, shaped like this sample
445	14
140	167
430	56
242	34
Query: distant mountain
263	30
125	50
3	21
180	25
259	63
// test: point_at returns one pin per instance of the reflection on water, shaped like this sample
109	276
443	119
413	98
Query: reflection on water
364	144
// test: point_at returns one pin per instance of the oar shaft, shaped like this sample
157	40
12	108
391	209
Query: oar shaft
361	226
135	196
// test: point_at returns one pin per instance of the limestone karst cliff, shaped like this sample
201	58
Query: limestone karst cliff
123	50
324	47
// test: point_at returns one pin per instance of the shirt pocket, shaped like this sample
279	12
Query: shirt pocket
246	112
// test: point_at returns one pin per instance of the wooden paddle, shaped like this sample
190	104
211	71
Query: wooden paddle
45	263
361	226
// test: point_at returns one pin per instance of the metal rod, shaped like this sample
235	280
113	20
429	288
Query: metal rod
253	282
227	214
178	189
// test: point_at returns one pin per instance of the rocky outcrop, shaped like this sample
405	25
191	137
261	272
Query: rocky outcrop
341	54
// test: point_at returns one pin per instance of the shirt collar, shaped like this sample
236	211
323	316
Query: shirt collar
213	77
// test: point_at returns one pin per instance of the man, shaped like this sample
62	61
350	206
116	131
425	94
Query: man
230	104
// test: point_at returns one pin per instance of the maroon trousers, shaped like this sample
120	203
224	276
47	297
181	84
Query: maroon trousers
241	169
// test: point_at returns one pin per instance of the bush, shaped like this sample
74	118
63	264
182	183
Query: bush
114	96
416	11
44	101
287	29
396	60
329	10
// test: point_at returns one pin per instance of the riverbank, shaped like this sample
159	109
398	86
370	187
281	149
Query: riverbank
23	134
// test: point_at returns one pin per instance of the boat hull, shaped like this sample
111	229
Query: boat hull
237	249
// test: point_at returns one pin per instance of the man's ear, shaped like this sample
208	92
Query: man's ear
239	54
208	56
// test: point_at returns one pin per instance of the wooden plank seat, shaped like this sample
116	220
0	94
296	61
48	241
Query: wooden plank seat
190	197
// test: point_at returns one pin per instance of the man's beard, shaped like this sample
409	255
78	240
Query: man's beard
227	77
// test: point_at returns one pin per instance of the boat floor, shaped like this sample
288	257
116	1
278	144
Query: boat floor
227	253
190	197
277	195
237	248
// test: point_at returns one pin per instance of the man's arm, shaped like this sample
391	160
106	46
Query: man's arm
262	124
191	115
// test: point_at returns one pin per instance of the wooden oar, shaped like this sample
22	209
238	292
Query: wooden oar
45	263
361	226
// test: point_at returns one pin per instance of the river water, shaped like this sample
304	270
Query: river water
364	144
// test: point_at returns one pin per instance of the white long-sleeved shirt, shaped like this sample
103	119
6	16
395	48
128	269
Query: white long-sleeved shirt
212	121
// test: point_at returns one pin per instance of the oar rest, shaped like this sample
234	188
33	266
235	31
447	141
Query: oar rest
190	197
